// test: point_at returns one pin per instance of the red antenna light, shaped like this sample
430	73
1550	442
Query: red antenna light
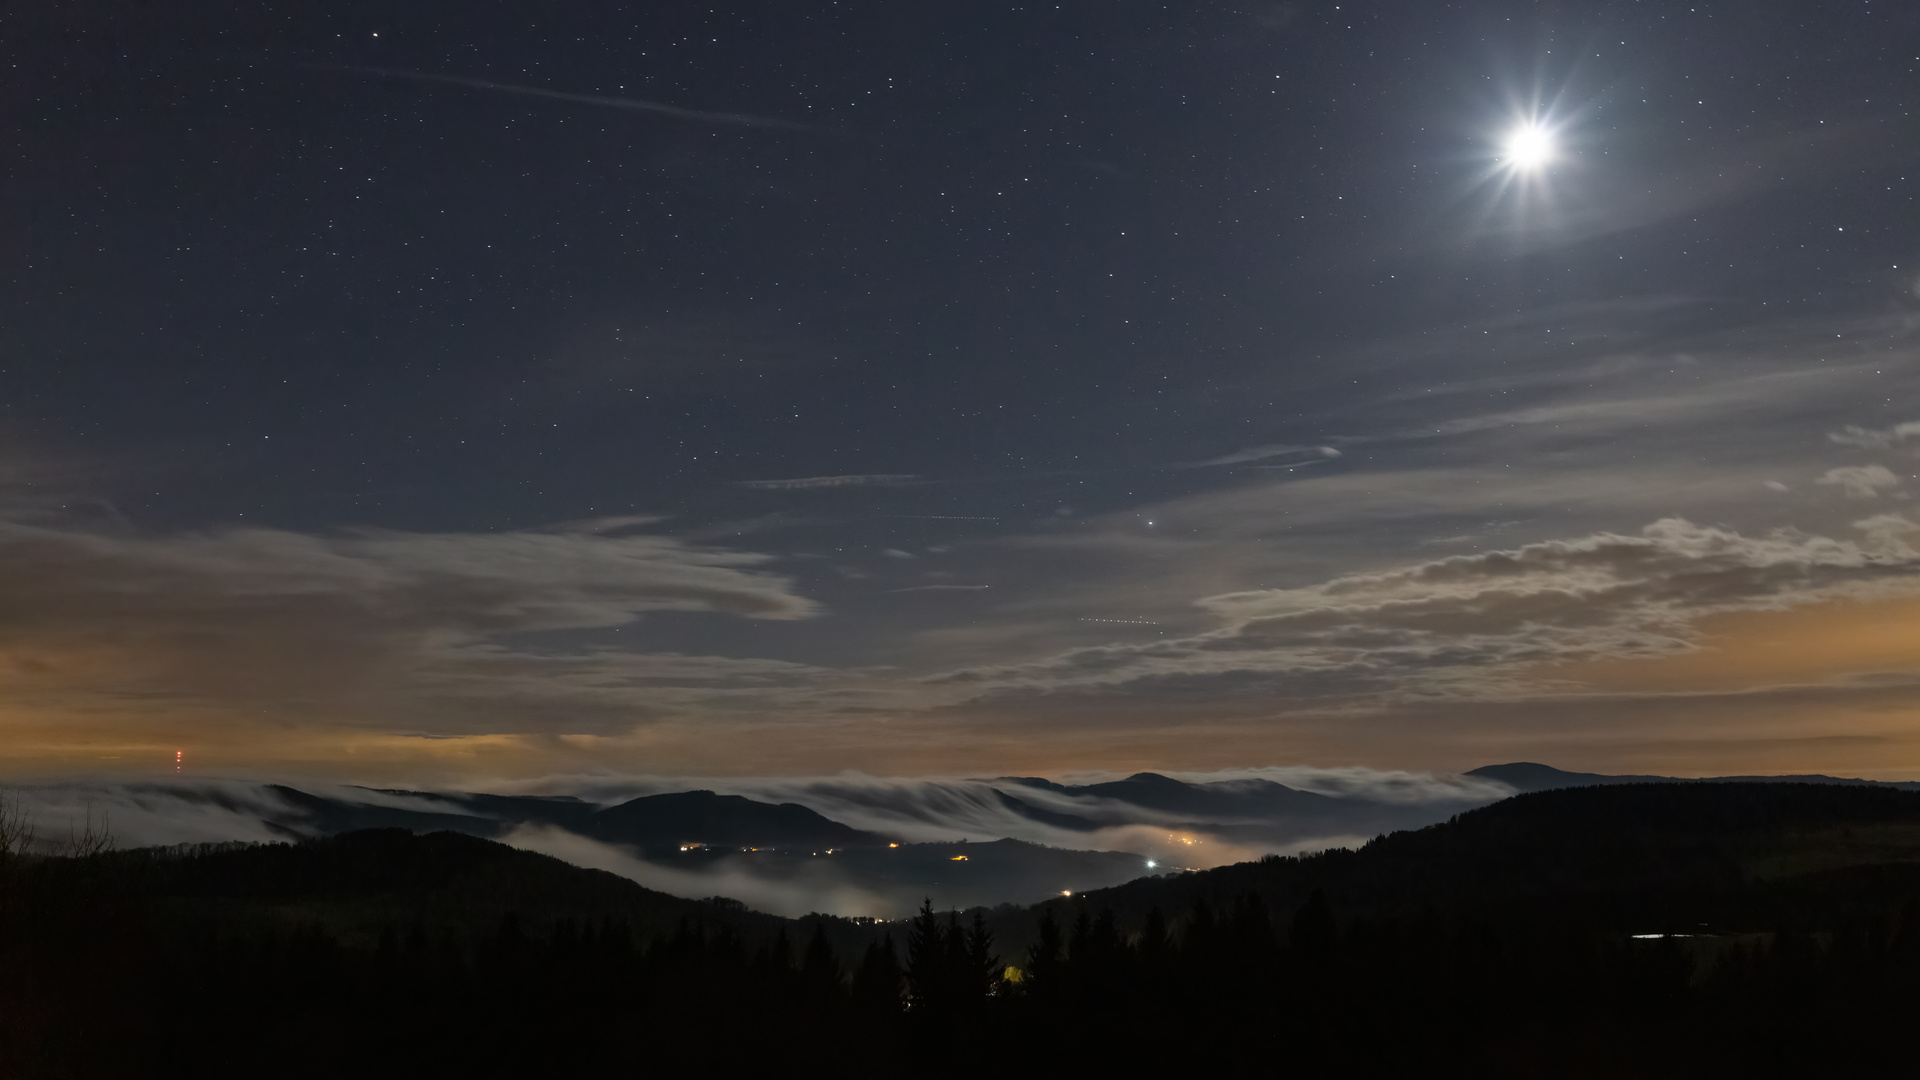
177	756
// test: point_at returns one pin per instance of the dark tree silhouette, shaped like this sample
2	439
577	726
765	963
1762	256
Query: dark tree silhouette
878	981
983	973
929	960
1501	945
819	972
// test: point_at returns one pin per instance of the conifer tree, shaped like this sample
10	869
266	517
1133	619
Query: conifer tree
1153	943
819	971
780	961
927	959
983	967
876	983
1044	959
1313	931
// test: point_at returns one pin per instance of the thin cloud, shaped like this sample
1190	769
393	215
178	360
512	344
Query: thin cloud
1292	465
1875	438
1466	627
813	483
605	101
1861	481
1263	453
442	633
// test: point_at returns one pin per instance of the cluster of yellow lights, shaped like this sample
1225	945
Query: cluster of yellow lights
958	858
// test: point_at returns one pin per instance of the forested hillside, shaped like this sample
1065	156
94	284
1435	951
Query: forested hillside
1635	930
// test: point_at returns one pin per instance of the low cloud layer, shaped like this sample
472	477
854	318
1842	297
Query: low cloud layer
816	887
162	813
1232	818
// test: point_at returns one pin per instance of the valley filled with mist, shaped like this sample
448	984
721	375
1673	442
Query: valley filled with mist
848	846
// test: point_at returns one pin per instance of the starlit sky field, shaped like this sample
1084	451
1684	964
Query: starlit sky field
470	393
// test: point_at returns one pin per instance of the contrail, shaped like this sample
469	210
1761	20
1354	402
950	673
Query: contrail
602	100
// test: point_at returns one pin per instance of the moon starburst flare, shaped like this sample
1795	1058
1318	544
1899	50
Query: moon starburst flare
1528	148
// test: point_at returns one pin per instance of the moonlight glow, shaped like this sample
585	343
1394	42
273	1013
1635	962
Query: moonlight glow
1528	148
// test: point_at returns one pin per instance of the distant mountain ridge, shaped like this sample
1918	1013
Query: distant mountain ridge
650	821
1249	798
703	817
1246	811
771	851
1581	839
1596	842
1524	776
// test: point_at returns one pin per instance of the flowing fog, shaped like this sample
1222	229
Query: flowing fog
1233	819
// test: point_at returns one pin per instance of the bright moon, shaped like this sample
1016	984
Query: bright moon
1528	148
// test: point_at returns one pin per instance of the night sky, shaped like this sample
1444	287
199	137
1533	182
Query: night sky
474	390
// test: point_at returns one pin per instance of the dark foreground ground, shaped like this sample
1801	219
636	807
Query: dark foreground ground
1637	930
